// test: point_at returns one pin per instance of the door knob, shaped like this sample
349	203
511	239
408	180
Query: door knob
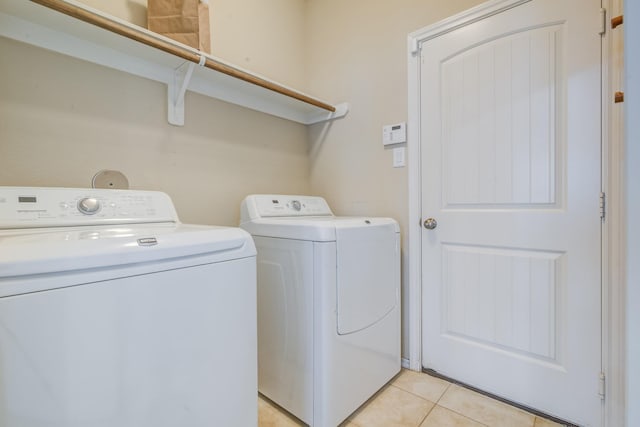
430	223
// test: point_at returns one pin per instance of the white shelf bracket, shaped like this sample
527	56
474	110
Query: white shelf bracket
177	88
341	111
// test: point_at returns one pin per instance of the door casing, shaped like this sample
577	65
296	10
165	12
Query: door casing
613	248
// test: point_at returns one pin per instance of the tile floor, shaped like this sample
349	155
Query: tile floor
414	399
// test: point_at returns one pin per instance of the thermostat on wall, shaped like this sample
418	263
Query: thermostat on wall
394	134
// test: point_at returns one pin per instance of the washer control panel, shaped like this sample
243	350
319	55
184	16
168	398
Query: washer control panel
279	206
24	207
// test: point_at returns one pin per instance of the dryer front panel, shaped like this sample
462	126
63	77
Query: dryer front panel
368	274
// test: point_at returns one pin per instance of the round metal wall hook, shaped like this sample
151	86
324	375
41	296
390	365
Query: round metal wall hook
110	179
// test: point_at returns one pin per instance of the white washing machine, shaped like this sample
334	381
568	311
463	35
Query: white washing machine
114	314
328	305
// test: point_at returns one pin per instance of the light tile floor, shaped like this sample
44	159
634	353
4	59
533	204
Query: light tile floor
415	399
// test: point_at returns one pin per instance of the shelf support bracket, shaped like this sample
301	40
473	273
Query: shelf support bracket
341	111
177	88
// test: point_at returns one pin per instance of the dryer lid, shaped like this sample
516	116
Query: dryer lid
299	217
316	229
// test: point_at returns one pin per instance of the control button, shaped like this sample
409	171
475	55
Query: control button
89	205
295	205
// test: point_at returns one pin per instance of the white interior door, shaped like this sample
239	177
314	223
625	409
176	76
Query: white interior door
510	145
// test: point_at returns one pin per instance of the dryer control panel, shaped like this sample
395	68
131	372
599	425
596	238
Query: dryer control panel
31	207
277	205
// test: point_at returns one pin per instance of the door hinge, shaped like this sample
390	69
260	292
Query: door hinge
601	385
603	21
603	205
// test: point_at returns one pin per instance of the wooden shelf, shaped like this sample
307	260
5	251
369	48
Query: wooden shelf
74	29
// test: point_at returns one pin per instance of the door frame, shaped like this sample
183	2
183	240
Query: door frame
613	182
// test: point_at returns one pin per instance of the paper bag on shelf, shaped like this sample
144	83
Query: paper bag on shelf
186	21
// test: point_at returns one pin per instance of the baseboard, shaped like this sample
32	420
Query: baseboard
405	363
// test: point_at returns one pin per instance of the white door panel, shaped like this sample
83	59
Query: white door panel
510	128
501	298
498	123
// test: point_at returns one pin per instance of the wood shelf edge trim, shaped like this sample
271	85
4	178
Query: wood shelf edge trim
618	97
184	53
618	20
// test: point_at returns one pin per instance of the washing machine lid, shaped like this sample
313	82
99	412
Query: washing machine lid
56	250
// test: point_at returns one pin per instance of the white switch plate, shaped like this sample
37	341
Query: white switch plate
398	157
394	134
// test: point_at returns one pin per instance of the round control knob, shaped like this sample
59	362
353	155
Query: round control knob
89	205
295	204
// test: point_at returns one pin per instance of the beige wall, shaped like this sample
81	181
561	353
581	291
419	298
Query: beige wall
134	11
62	120
356	52
265	37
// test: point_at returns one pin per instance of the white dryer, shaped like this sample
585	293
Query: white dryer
114	314
328	305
